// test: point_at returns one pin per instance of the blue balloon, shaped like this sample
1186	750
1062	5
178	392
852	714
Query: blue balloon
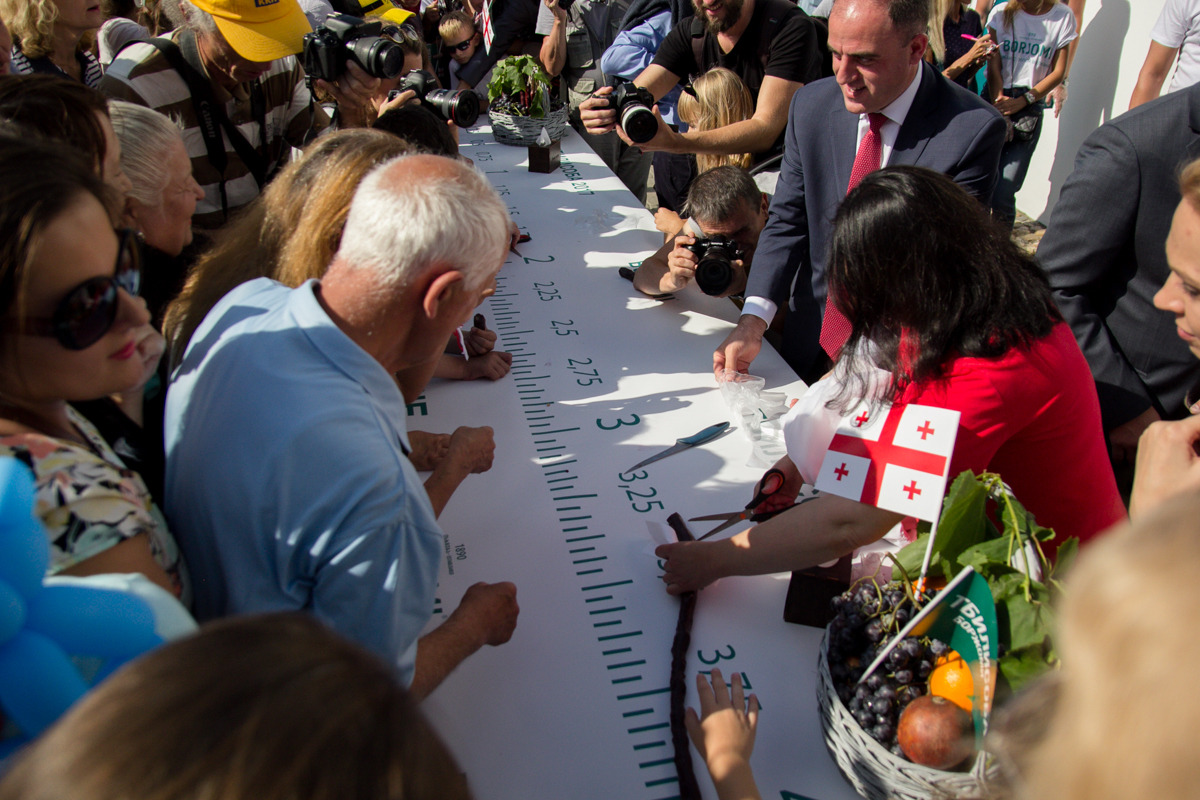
12	612
93	622
38	682
24	552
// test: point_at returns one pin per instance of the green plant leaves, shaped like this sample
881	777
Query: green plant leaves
967	536
520	87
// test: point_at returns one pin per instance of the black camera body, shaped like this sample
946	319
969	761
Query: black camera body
460	106
714	267
634	105
342	38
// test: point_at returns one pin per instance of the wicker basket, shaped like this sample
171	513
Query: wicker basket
523	131
873	770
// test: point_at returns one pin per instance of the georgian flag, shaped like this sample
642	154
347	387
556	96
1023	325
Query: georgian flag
486	22
893	457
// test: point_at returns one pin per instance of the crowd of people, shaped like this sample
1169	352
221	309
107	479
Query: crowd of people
212	260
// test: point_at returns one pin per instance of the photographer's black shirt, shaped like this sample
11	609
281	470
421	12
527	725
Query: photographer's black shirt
793	53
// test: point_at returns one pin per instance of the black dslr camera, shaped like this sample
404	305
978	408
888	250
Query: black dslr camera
342	38
633	105
460	106
715	257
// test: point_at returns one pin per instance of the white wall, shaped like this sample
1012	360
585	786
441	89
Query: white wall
1116	36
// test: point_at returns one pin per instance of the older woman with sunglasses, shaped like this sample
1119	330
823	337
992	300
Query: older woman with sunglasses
69	322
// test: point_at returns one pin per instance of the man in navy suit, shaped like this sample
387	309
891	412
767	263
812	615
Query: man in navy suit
878	48
1103	253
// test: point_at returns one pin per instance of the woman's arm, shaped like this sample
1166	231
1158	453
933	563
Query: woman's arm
130	555
820	530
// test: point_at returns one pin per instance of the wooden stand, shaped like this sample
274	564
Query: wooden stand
544	159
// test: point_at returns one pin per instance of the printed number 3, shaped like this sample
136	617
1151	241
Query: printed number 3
600	424
717	655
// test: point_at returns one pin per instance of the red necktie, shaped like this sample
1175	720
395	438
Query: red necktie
835	328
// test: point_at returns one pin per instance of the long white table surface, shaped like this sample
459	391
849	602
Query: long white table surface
576	704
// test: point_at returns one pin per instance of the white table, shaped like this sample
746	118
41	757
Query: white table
576	704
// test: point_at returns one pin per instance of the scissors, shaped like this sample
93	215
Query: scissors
772	481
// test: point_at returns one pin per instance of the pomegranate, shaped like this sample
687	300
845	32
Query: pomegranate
935	732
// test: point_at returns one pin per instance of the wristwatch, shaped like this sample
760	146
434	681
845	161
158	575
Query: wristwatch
1030	97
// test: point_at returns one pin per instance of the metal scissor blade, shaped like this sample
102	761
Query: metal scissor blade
711	517
670	451
726	524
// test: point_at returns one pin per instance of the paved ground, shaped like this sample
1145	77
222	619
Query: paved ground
1028	232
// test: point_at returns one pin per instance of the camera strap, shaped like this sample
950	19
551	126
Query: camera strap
210	113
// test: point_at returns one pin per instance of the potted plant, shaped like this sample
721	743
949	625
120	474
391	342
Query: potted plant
519	103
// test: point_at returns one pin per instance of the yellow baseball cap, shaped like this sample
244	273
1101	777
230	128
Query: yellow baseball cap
259	30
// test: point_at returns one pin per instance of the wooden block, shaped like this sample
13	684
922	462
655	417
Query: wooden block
811	590
544	159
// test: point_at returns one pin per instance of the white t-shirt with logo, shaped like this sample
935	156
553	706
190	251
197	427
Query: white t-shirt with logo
1178	26
1027	48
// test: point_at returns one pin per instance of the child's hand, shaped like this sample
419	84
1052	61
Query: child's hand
724	734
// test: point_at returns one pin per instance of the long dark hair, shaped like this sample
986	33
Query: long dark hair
58	109
923	273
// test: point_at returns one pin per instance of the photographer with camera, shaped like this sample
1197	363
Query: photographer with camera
229	74
577	32
726	213
772	45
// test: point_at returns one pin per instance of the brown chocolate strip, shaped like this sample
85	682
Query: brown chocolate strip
689	789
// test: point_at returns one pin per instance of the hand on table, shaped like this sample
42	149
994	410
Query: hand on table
723	734
428	449
479	341
1167	464
490	611
471	449
689	566
493	366
741	346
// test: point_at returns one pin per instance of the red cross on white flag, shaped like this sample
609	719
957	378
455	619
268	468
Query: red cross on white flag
893	457
486	22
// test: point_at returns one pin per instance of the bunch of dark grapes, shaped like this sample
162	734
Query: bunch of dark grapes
867	617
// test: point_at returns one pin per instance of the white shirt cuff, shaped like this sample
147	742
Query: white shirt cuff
760	307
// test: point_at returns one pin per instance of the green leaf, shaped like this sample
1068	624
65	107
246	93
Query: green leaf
1029	623
988	558
963	523
1021	666
1066	556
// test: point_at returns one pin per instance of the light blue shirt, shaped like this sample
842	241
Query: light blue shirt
287	480
634	49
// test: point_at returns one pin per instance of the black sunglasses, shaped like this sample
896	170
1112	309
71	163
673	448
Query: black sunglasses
462	46
88	311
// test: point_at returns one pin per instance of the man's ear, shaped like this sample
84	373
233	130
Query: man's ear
441	292
765	205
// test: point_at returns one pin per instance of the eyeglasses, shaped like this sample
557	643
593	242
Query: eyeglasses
462	46
89	310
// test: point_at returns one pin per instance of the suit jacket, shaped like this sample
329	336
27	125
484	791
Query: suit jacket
1103	252
947	129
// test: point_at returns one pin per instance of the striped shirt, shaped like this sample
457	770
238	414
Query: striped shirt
24	65
141	74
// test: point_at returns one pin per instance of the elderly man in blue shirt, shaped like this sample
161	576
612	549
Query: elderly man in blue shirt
287	469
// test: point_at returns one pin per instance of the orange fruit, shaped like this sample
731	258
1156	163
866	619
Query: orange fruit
951	678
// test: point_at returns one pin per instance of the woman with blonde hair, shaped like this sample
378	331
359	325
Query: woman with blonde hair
958	44
718	98
54	37
713	100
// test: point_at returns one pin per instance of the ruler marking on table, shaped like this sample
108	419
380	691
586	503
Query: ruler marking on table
661	781
662	762
637	663
588	571
647	693
585	538
649	745
625	635
549	449
606	623
658	726
609	611
574	496
575	519
523	381
555	463
618	650
607	585
580	528
566	488
590	560
640	712
568	508
582	550
629	679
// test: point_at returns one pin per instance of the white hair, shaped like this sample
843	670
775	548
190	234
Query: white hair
189	16
146	137
400	231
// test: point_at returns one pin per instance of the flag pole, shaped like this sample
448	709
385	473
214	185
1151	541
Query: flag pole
928	553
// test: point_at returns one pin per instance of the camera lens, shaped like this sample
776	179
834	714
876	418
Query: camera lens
460	106
379	57
714	273
638	122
